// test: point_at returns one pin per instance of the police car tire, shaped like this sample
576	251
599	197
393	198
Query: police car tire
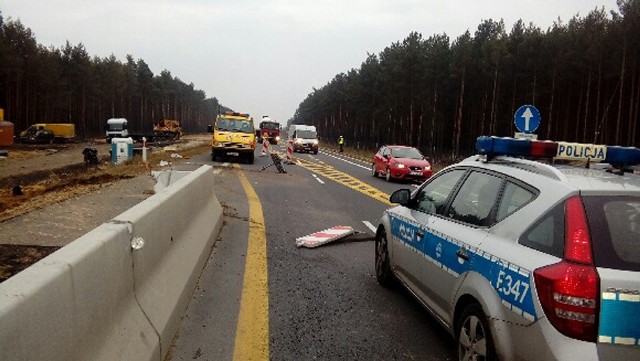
471	315
383	266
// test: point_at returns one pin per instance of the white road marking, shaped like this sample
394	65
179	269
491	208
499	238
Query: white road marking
346	161
318	179
370	226
217	171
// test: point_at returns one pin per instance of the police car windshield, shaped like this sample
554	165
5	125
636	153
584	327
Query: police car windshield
410	153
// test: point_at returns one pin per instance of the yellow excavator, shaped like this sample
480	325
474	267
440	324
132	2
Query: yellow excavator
168	127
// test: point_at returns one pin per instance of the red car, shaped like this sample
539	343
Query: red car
401	162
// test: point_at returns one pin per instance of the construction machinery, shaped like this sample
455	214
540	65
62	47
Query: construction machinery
168	127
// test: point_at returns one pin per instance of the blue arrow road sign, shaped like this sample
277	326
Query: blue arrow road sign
527	119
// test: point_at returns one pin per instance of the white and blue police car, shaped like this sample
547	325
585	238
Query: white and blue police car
524	259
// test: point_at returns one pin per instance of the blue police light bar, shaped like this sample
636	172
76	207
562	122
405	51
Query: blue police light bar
492	146
622	156
615	155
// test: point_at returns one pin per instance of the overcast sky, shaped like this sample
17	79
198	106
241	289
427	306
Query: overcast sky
265	56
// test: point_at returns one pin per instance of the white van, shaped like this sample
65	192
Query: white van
305	138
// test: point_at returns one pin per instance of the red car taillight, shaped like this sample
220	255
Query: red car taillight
569	290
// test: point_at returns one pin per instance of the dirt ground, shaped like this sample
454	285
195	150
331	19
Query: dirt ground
53	183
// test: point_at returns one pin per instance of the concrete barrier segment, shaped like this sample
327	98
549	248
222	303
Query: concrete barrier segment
179	225
77	304
165	178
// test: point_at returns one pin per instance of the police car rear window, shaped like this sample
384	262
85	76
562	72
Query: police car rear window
614	223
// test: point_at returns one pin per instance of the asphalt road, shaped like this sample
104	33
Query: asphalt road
322	303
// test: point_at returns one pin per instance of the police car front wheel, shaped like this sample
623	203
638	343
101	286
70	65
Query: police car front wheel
383	267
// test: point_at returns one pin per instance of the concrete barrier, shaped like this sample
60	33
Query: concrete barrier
165	178
99	299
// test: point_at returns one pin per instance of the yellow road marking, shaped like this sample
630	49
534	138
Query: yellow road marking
252	332
345	179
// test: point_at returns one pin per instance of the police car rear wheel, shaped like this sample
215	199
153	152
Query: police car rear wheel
474	336
383	268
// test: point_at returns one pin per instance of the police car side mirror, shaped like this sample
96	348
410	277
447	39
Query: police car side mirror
401	196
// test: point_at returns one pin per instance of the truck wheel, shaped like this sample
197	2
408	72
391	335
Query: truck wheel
215	157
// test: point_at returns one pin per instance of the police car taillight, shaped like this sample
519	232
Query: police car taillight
569	290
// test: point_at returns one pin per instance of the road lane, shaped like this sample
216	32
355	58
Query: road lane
252	335
324	303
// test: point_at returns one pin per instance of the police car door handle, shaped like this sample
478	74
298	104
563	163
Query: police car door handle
462	253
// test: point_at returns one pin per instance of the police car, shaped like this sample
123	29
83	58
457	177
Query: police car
524	259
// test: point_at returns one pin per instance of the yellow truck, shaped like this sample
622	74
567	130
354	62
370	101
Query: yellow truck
233	136
48	132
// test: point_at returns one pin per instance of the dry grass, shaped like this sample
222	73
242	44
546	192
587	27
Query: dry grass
27	154
59	187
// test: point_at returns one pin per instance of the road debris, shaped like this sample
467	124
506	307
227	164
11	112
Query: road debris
323	237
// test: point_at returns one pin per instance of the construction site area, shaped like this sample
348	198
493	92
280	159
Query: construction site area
47	187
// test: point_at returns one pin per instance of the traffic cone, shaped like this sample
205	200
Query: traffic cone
265	147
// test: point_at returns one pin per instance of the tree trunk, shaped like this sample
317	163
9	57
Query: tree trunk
578	113
83	111
533	91
513	103
586	109
484	112
636	116
599	93
622	69
458	127
553	94
632	121
492	118
27	105
433	118
411	134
